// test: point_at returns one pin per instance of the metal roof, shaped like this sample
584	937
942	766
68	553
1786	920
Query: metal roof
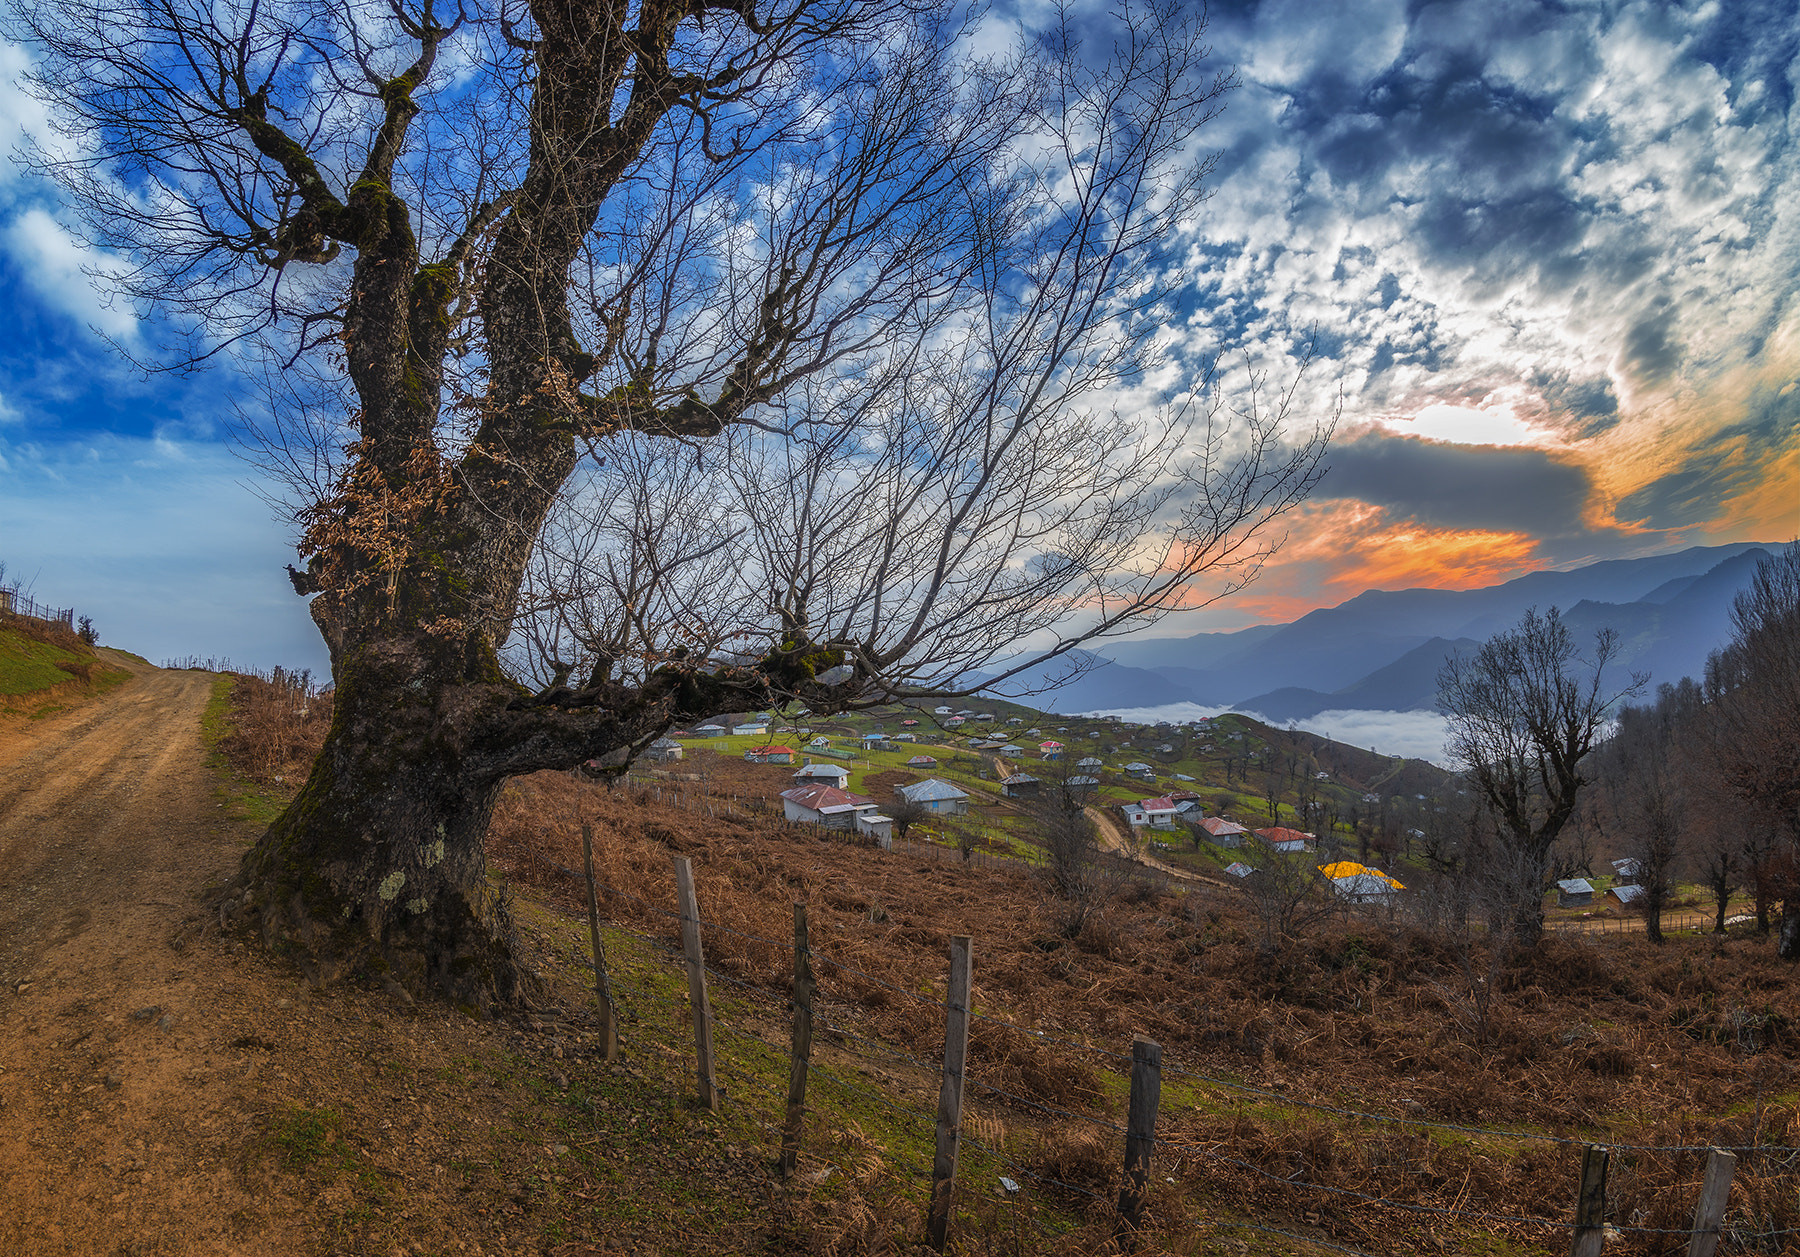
930	790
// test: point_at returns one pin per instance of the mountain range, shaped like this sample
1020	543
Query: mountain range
1382	649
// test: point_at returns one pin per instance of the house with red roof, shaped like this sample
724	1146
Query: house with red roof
825	805
1280	838
769	755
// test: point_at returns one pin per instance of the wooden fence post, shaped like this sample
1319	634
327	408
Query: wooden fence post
609	1019
950	1095
1590	1203
696	967
1140	1136
801	1057
1710	1212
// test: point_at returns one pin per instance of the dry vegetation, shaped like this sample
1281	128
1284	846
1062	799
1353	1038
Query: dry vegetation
278	724
1604	1039
1610	1039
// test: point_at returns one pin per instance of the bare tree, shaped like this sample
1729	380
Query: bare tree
1646	798
633	363
1752	742
1524	712
905	813
1289	893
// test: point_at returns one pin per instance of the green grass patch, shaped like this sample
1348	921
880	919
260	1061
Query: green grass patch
244	799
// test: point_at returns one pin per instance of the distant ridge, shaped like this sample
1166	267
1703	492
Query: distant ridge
1381	649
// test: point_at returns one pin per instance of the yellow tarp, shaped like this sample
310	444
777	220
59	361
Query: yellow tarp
1350	868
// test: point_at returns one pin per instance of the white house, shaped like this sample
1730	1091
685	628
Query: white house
1290	841
1364	888
825	805
1159	813
1134	815
941	711
1012	752
760	726
935	795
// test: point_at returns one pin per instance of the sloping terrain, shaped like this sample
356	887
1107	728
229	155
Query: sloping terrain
164	1089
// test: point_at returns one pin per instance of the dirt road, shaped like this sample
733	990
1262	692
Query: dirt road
114	1136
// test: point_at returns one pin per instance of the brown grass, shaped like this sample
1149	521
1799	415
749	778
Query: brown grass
1606	1038
278	722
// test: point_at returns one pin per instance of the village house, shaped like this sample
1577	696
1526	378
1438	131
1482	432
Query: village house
1019	786
921	761
1364	888
1287	841
1012	752
1625	872
1140	770
1624	896
710	731
874	741
758	726
1081	786
1237	868
830	774
1090	764
941	711
1227	834
825	805
935	795
662	751
769	755
1159	813
1134	815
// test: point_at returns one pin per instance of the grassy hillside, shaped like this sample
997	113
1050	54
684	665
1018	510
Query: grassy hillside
43	665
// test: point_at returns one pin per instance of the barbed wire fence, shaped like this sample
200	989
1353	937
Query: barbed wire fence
989	1157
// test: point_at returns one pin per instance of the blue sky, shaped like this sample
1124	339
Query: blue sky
1547	252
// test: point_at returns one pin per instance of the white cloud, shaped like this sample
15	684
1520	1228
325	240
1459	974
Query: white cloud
22	116
1413	734
61	270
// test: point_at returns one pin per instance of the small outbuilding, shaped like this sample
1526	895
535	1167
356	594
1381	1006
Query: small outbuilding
1574	892
877	828
1625	872
1625	896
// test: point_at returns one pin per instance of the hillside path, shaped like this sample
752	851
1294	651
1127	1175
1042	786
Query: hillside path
121	1109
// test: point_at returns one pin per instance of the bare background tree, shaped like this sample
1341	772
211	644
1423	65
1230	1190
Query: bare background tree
1750	740
628	364
1524	711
